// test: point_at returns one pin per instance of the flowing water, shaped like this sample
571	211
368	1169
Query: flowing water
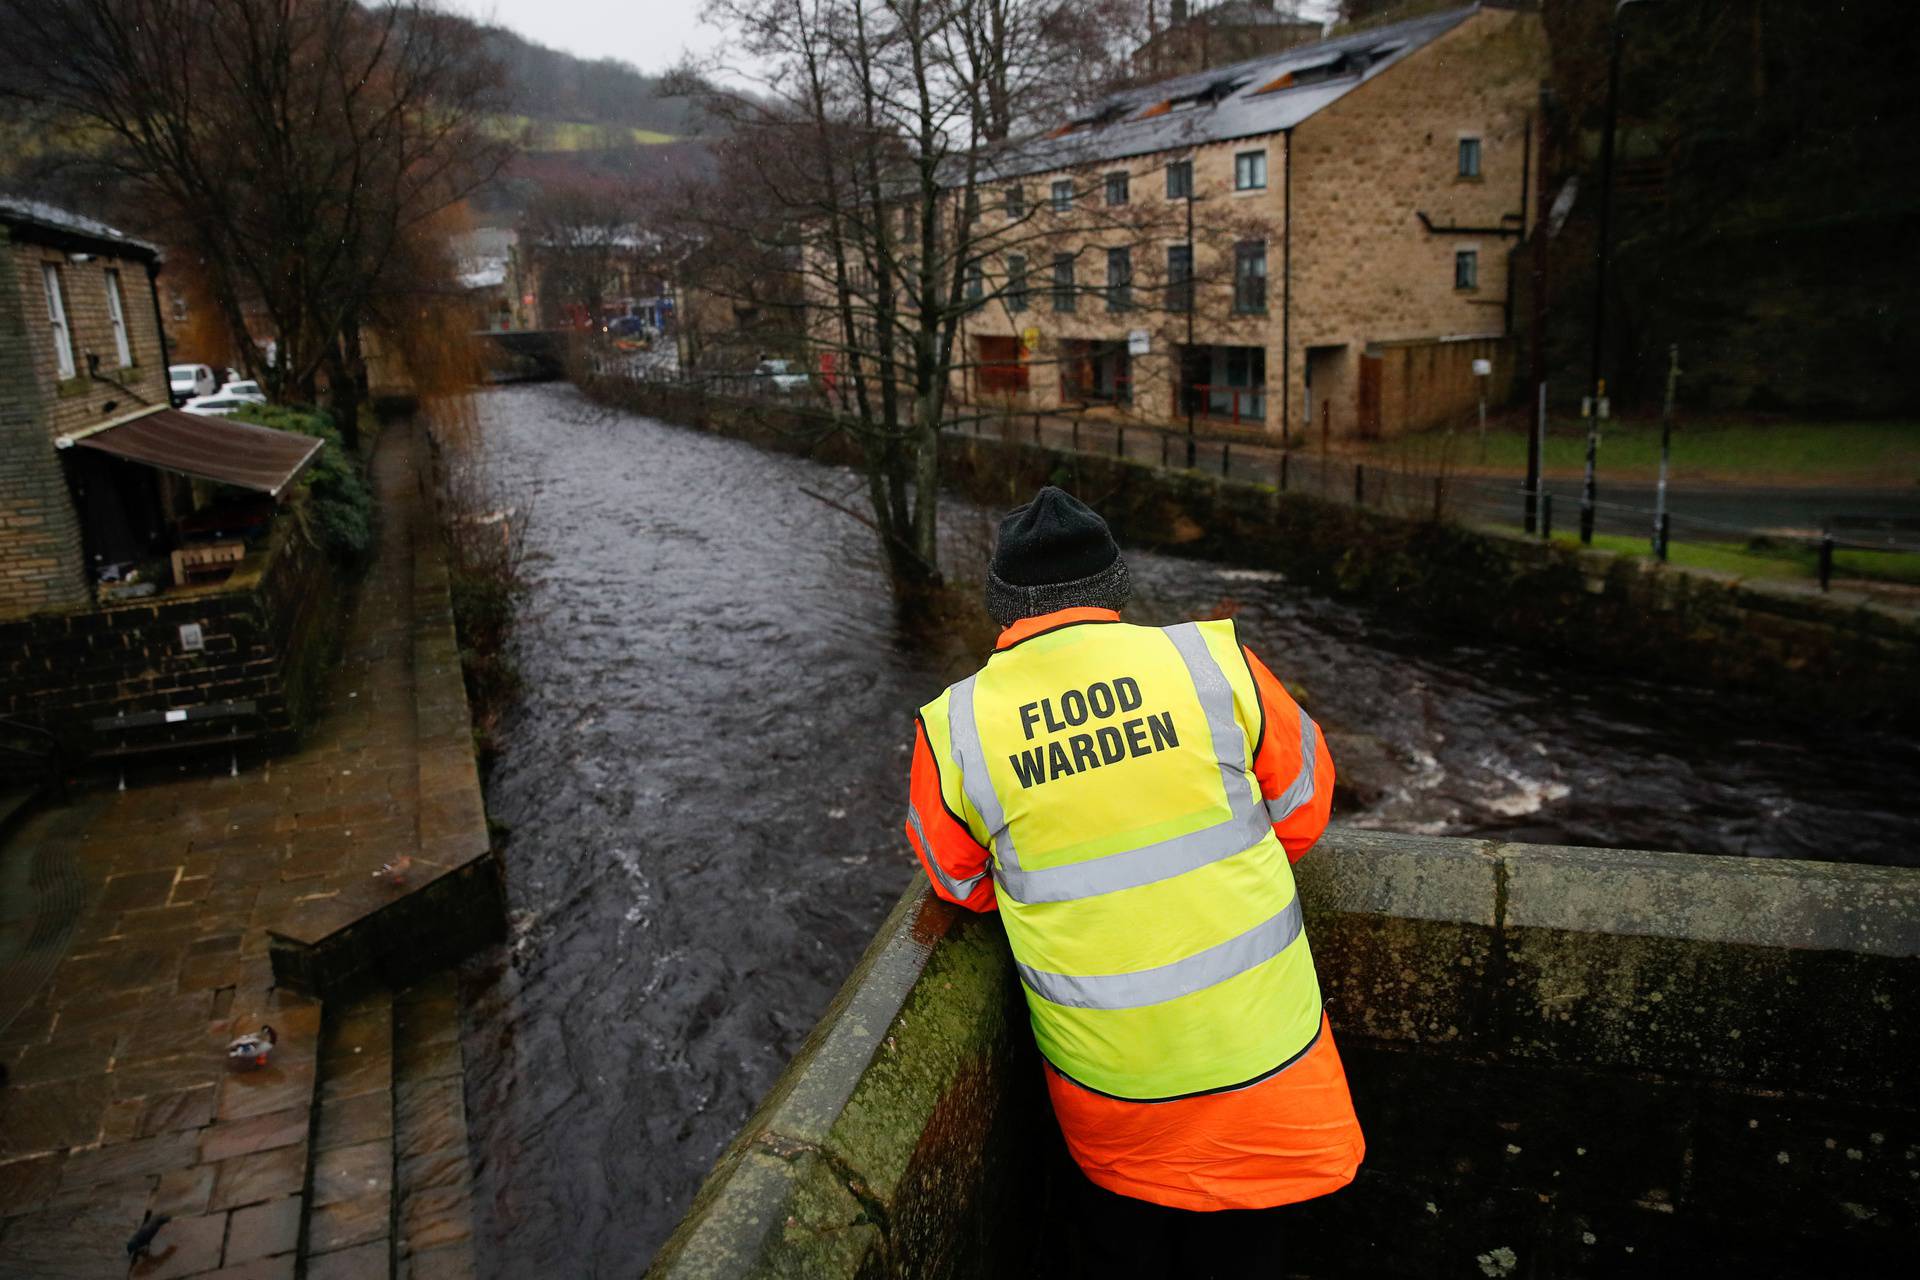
705	778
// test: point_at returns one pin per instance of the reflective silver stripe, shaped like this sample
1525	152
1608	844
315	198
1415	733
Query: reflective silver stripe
1170	981
963	740
961	889
1216	700
1300	790
1131	868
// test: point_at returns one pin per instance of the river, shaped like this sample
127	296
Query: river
704	781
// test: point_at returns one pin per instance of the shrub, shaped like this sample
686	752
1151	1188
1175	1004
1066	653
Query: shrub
339	501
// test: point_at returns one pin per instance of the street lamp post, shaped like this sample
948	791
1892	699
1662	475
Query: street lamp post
1596	402
1186	354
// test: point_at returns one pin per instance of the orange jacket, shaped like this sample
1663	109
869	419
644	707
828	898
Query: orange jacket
1288	1137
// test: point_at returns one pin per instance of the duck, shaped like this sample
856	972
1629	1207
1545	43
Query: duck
253	1047
395	872
140	1245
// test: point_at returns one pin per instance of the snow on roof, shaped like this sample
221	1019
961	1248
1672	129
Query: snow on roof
21	212
1243	100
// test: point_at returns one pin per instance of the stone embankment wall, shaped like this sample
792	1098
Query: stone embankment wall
1799	651
1569	1062
264	636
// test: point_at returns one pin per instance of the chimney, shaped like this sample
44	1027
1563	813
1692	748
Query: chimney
1176	12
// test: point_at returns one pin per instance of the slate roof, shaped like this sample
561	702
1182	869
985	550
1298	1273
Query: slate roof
41	221
1221	104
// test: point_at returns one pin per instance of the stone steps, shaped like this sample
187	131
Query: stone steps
349	1227
433	1173
391	1186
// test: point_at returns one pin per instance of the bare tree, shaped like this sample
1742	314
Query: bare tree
297	144
881	154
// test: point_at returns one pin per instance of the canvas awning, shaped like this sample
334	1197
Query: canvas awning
206	447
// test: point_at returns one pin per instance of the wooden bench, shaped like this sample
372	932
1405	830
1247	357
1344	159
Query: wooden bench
133	735
206	561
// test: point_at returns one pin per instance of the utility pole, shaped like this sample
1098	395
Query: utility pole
1666	441
1537	324
1597	401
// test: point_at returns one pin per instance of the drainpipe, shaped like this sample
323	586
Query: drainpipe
159	327
1286	291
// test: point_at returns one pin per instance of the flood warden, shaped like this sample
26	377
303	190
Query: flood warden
1131	800
1108	744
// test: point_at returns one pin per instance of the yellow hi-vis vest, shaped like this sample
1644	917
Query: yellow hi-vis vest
1151	911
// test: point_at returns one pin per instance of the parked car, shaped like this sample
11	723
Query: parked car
781	375
186	381
220	404
244	389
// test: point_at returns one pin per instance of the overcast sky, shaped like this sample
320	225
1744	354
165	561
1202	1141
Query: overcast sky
651	34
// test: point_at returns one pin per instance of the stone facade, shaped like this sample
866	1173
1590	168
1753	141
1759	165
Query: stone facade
42	562
261	634
1357	271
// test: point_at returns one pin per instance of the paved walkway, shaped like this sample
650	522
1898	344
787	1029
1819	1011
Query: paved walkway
120	1099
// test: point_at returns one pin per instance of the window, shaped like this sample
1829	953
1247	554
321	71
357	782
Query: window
1250	277
1063	282
1119	279
909	218
1250	171
1179	179
118	314
976	282
1469	157
1179	277
1063	196
1116	188
972	205
57	319
1466	269
1016	282
1016	203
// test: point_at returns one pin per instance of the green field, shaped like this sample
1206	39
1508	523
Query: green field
576	135
1763	558
1867	453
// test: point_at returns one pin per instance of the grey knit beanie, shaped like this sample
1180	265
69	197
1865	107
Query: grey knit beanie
1054	553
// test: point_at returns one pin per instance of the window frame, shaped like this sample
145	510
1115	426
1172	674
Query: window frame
1119	181
1060	195
1469	281
976	283
57	322
1244	304
1259	153
1478	153
1120	291
1180	286
1185	169
1065	287
1016	202
1016	282
117	313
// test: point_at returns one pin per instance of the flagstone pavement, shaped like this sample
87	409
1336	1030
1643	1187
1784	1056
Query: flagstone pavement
120	1099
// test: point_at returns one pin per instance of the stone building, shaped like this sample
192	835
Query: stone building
80	343
1311	241
1198	37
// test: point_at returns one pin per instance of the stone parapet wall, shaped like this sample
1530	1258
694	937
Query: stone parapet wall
264	633
1569	1062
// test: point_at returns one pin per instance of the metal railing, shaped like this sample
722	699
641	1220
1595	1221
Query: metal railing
1493	502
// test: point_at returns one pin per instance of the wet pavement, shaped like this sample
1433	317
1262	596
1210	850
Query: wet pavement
120	1008
705	776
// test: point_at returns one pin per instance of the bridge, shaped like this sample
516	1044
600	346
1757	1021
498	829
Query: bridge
528	355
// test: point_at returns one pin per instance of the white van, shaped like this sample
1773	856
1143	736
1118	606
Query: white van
186	381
